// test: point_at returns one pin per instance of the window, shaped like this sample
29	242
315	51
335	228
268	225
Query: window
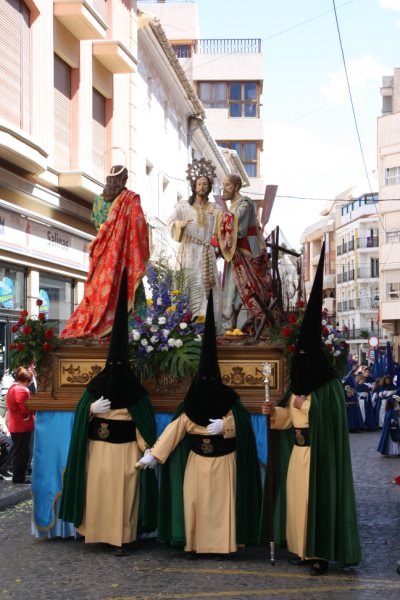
374	267
213	95
183	50
393	291
56	294
12	288
248	154
241	98
392	176
99	134
15	63
62	114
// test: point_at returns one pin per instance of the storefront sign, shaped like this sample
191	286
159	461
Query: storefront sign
35	239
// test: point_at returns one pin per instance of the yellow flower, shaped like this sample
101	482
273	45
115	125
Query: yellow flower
175	292
149	302
201	319
171	309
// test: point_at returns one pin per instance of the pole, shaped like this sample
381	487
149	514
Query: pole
267	370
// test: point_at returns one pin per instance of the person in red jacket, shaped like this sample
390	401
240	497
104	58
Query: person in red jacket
20	423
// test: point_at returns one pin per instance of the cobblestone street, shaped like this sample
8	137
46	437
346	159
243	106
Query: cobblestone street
69	569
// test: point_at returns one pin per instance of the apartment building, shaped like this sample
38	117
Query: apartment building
228	77
388	142
350	226
85	84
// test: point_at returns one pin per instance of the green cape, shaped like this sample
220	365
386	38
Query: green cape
74	481
171	527
332	529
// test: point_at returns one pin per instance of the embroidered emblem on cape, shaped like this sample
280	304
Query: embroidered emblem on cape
207	447
103	431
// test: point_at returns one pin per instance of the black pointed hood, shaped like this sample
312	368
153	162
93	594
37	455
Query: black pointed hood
310	366
208	398
116	381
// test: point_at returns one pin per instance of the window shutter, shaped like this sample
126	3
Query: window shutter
99	135
15	63
62	114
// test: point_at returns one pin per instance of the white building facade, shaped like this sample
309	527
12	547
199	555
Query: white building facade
389	207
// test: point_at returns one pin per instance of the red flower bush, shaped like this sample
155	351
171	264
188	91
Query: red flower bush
287	331
39	302
24	313
299	303
31	342
292	319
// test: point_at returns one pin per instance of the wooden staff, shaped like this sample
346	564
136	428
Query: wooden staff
267	370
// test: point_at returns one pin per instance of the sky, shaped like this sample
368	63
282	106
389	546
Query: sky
311	147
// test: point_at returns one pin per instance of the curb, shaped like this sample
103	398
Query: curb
12	494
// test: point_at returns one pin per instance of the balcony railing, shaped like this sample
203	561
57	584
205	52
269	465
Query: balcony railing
351	275
338	250
351	245
228	46
393	236
368	242
357	334
367	273
339	278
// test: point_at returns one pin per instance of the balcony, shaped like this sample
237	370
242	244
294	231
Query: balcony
18	148
366	273
351	245
359	334
114	56
368	242
339	250
80	19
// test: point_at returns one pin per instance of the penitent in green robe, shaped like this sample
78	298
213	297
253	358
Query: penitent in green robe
332	528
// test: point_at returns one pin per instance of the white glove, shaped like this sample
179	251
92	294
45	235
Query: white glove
216	426
148	461
101	405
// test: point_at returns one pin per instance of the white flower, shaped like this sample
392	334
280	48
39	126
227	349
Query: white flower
149	349
162	320
178	343
166	332
337	353
198	338
164	349
149	320
331	336
323	322
171	342
327	342
153	339
153	328
144	342
159	301
135	335
183	325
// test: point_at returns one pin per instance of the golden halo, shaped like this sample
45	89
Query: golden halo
115	162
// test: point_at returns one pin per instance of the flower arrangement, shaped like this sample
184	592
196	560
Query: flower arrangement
34	339
168	340
332	342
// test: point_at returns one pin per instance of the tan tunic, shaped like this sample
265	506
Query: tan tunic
112	488
298	477
209	489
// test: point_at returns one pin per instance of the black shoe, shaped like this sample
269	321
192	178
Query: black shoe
191	555
26	481
299	562
319	567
